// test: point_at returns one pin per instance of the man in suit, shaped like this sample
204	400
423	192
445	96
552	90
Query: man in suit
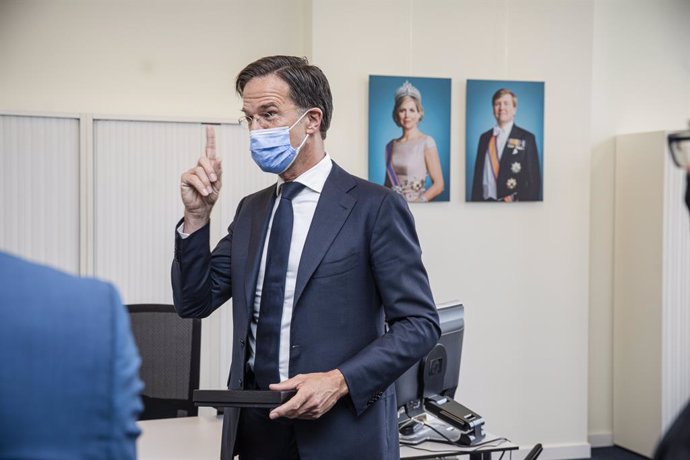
69	386
507	164
317	327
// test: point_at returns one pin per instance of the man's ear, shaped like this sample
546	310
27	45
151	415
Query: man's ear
314	117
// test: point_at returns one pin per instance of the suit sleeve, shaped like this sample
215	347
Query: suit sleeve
201	279
533	190
126	385
409	307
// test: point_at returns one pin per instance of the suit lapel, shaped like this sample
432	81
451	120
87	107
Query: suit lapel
334	206
506	151
257	236
507	155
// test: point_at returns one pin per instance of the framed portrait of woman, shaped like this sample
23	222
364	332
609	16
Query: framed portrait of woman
409	136
504	150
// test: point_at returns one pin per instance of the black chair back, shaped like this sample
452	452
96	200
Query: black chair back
170	349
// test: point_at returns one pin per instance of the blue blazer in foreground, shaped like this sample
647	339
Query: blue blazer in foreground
361	266
69	382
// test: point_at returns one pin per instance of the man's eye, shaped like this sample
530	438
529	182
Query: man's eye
268	115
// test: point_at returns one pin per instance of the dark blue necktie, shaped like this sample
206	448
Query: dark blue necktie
273	289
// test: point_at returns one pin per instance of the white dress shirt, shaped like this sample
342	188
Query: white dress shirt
488	179
303	208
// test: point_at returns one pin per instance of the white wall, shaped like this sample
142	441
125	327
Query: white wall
640	82
149	57
521	270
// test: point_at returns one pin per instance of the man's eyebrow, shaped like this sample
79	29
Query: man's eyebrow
263	107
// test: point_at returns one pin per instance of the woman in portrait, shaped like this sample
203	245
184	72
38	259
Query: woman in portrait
412	157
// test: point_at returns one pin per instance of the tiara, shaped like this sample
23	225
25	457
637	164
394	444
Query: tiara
408	90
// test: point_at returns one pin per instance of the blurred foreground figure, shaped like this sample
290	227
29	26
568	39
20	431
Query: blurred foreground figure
69	386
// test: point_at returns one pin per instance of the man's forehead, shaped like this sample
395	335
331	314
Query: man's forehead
265	91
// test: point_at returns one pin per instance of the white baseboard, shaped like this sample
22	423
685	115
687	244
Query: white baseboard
556	452
603	439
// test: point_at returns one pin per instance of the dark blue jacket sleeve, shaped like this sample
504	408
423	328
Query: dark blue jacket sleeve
201	280
408	304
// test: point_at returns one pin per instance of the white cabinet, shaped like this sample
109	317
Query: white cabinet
651	315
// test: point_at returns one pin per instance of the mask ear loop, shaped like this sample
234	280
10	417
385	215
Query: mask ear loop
299	119
306	136
302	144
297	150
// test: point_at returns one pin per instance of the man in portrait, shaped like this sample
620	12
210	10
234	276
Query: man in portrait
507	163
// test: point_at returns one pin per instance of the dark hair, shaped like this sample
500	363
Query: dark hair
502	92
308	85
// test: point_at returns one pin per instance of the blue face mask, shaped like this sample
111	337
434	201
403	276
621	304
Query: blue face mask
271	148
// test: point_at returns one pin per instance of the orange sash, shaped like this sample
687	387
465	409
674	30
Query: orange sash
493	156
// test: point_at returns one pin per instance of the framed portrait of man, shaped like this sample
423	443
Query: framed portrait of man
409	136
504	149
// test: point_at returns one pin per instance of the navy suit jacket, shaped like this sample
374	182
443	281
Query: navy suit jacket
518	167
675	444
69	378
361	266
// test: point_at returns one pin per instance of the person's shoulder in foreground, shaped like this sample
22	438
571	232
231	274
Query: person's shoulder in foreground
69	386
675	445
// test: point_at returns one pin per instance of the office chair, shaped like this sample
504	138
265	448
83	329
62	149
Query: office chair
170	349
534	453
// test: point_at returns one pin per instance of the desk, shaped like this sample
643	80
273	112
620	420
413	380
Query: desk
199	437
430	449
185	438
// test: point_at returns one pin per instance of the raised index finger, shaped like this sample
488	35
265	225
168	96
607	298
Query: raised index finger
210	142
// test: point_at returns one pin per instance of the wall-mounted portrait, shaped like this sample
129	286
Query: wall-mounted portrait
409	136
504	141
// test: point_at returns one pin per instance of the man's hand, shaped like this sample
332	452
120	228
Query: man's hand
201	185
316	394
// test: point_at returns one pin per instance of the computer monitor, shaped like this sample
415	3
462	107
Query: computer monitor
442	374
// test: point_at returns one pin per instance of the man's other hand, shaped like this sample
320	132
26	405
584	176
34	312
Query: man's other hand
316	394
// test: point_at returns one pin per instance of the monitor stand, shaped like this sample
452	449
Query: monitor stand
470	424
427	428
